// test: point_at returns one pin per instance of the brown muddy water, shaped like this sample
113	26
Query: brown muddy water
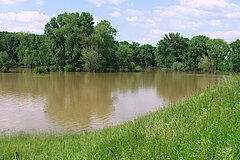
59	102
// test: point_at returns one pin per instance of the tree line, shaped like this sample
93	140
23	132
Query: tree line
71	42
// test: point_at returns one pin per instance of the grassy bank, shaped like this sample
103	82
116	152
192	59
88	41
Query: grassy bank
206	126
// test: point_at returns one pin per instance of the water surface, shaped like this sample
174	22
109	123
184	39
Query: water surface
86	101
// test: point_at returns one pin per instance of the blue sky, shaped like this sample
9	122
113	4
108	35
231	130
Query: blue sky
143	21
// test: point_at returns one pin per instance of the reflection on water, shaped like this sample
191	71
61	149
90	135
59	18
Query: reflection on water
84	101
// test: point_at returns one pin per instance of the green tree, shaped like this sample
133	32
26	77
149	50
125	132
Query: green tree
5	62
104	38
172	48
92	59
235	56
218	51
205	64
136	53
8	43
147	57
30	51
69	33
124	54
44	52
197	49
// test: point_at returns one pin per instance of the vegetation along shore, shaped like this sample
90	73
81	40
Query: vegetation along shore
205	126
72	42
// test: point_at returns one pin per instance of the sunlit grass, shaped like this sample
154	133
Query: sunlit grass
206	126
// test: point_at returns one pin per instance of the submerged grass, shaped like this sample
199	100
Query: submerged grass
206	126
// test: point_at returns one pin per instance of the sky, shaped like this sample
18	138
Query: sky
143	21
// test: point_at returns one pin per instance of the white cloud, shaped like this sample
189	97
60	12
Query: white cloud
99	3
227	35
146	41
116	2
116	13
132	19
11	2
25	21
150	22
213	18
157	32
179	10
152	36
215	22
40	2
192	25
15	2
134	12
204	3
232	11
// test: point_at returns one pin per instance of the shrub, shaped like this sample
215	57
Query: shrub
40	70
225	66
78	69
68	68
178	66
4	69
54	69
205	64
5	62
131	66
138	69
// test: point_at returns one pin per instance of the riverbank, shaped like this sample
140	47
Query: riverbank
206	126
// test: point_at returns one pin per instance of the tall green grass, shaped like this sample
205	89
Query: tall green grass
206	126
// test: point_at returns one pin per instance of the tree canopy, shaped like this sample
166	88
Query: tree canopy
72	42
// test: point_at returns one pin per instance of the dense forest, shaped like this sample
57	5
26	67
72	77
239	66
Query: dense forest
72	42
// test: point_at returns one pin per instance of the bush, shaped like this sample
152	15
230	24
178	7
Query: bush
68	68
205	64
4	69
5	62
78	69
40	70
54	69
131	66
137	69
178	66
225	66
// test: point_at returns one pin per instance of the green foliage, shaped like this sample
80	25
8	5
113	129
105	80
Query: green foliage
53	68
147	58
172	48
218	50
8	43
69	68
131	66
73	39
34	50
224	66
5	62
124	55
178	66
104	38
235	56
138	69
68	34
205	126
92	59
197	49
205	64
40	70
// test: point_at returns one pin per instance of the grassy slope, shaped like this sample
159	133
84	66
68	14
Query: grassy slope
206	126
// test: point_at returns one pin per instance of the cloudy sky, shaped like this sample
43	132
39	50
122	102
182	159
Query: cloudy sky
144	21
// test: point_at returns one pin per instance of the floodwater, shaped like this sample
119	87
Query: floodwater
59	102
